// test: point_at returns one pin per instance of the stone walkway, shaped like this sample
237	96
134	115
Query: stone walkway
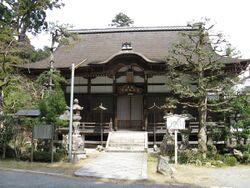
122	165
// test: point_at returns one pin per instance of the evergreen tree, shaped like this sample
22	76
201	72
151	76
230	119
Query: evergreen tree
29	15
122	20
197	75
240	114
52	101
17	17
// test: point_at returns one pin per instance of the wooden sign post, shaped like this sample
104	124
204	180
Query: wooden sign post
42	132
175	122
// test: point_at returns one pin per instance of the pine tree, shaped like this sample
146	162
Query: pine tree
122	20
197	74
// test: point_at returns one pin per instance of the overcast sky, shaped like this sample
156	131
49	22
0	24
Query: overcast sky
232	17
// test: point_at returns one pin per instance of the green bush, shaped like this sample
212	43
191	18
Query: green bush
211	151
217	163
230	160
52	105
183	157
62	151
189	156
61	122
225	151
218	157
242	147
25	157
44	156
246	158
9	153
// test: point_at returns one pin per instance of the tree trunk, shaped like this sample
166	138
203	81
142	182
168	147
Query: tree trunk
4	151
202	135
21	32
1	123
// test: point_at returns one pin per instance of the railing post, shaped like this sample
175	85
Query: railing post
83	126
110	124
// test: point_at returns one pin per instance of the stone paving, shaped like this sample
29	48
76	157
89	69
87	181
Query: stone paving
116	165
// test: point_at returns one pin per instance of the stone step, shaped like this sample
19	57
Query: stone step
128	141
126	149
126	145
132	138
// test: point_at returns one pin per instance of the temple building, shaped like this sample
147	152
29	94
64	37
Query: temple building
125	70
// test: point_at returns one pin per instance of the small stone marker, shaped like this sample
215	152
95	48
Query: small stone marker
163	166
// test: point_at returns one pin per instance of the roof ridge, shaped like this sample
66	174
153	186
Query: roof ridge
132	29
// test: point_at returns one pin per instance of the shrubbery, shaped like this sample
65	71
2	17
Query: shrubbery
211	151
190	156
44	156
246	158
230	160
195	157
242	147
218	157
9	153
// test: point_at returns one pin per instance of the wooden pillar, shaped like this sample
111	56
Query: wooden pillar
114	103
101	126
32	145
51	148
89	85
145	109
89	99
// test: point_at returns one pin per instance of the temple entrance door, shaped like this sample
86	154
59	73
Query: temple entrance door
130	112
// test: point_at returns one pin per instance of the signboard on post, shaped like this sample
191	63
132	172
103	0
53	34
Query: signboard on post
175	122
42	132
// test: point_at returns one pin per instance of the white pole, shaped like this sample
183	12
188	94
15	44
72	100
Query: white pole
176	147
71	111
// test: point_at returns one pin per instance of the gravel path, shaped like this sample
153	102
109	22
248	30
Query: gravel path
225	177
235	177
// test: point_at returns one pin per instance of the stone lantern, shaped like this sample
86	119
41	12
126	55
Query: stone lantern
77	139
168	109
76	116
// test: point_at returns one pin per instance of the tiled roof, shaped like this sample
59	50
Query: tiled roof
133	29
99	46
